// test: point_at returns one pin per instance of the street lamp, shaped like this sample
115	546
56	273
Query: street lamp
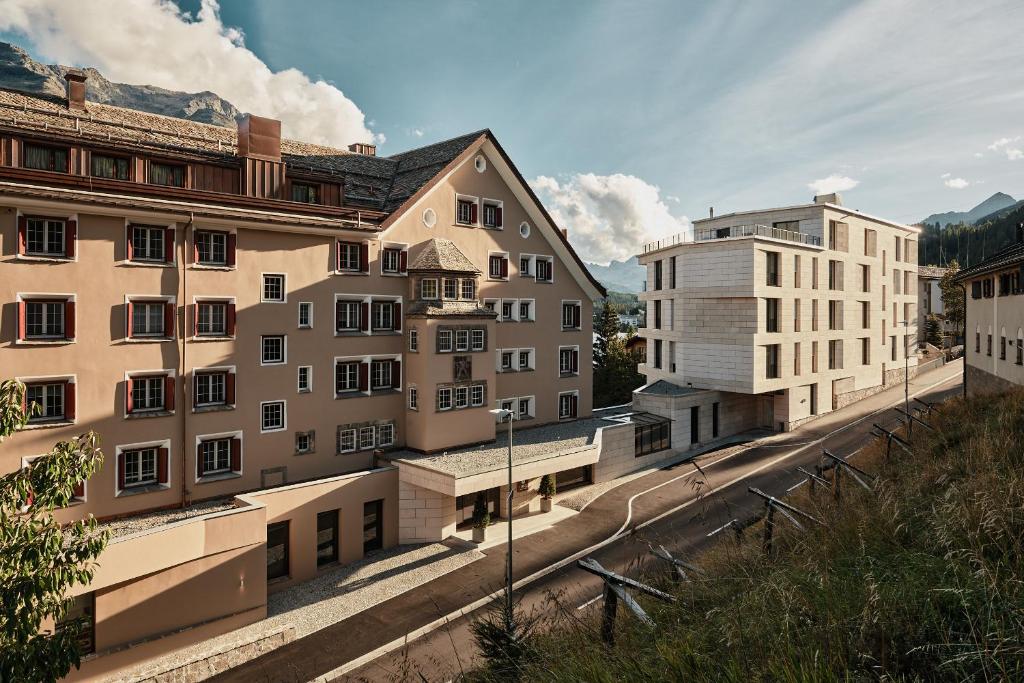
502	414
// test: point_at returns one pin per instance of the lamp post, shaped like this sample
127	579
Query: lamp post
502	414
906	376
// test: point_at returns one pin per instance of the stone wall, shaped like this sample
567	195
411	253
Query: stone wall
423	514
982	382
225	657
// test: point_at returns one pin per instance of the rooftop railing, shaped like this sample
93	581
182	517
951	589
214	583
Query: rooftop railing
750	230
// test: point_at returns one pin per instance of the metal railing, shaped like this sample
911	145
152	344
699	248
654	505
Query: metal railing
749	230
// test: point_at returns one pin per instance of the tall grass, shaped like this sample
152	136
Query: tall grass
920	579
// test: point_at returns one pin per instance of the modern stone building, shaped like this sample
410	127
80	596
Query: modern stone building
994	347
771	318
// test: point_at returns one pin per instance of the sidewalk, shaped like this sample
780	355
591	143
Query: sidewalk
350	639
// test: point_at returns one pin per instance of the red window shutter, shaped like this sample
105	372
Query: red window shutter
168	245
236	454
129	400
129	248
229	388
128	320
364	257
169	393
79	490
576	316
195	248
403	261
232	247
364	376
120	471
162	456
396	373
504	267
22	320
574	402
231	320
575	360
169	319
497	217
200	465
22	234
472	212
69	319
70	235
397	313
364	316
69	400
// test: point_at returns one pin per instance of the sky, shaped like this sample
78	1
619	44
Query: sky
628	118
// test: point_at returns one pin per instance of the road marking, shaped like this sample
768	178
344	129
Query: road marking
340	671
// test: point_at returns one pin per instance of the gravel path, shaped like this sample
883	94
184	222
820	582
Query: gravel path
334	595
130	525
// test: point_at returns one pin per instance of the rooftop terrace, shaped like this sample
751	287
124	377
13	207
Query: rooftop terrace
733	231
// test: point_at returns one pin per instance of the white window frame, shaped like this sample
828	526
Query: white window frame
461	397
200	438
42	422
390	427
135	299
531	270
347	360
531	407
414	340
494	203
473	339
394	246
505	255
462	340
137	260
263	288
152	374
450	336
462	289
309	325
414	397
454	281
423	292
575	393
531	359
471	200
362	443
475	402
347	246
550	260
284	416
48	256
157	445
354	433
382	363
28	297
224	370
532	310
213	265
387	311
348	301
493	305
514	318
444	391
309	379
284	349
513	362
571	349
225	301
561	313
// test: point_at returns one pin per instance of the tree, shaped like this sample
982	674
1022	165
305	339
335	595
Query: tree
952	298
933	331
41	561
615	381
606	328
547	486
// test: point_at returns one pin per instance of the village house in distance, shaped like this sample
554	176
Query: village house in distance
771	318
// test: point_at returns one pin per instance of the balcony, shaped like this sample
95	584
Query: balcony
749	230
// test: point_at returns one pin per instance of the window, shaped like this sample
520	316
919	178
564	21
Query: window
545	268
373	525
865	351
1020	347
45	158
277	550
366	441
988	350
525	359
1002	346
771	361
383	315
771	315
525	309
273	349
672	272
114	168
478	337
385	435
899	245
835	354
414	339
384	374
870	242
507	361
350	256
570	315
491	305
273	288
148	243
305	314
476	395
468	289
139	467
461	397
215	456
897	281
657	314
492	215
796	359
147	393
835	275
170	175
508	311
865	314
346	377
568	361
865	278
814	272
796	270
526	262
461	340
497	266
814	357
835	315
568	405
796	315
305	379
348	319
444	398
838	234
45	319
47	237
657	275
327	537
657	353
50	399
346	440
892	341
307	193
714	417
428	288
272	416
391	260
414	398
510	406
694	424
211	388
211	248
465	212
147	318
772	268
451	288
444	341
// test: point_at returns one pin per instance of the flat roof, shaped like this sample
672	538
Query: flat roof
834	207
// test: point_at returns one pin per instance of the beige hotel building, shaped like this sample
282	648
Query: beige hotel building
281	332
771	318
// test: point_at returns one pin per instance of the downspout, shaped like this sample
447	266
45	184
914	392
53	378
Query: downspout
184	345
964	382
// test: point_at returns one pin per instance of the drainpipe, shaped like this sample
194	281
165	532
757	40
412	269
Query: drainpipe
184	337
964	381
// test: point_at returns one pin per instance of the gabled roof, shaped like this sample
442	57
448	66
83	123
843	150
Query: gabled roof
441	254
1010	256
930	272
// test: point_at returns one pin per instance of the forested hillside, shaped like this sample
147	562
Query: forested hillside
968	244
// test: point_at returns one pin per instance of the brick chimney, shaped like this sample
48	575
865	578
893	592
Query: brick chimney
363	148
832	198
259	138
75	89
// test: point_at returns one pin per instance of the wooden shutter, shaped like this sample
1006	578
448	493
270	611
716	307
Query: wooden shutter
364	376
396	312
504	266
576	315
575	359
120	471
403	261
364	316
229	388
69	400
162	456
472	212
169	319
168	245
129	307
497	217
236	454
396	373
230	320
231	249
129	399
364	257
975	289
129	248
22	234
23	319
70	235
574	405
169	393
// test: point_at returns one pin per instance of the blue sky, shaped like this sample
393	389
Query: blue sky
628	117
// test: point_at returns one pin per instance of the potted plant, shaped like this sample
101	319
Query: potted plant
481	519
547	492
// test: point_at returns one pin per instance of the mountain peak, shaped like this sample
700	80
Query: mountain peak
997	202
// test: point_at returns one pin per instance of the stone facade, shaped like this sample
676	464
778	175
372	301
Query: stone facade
423	514
982	382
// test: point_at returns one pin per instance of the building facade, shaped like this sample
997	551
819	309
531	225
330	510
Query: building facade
771	318
236	313
994	321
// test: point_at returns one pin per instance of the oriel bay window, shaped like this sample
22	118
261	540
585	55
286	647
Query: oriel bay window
214	388
150	244
214	248
46	320
45	158
148	318
46	237
149	393
219	455
214	319
143	466
353	257
49	401
113	168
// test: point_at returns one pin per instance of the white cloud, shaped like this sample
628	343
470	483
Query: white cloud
833	183
956	183
608	217
1003	142
945	175
978	155
153	42
418	132
1014	154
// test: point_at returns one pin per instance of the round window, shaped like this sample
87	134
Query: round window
429	218
481	164
524	229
